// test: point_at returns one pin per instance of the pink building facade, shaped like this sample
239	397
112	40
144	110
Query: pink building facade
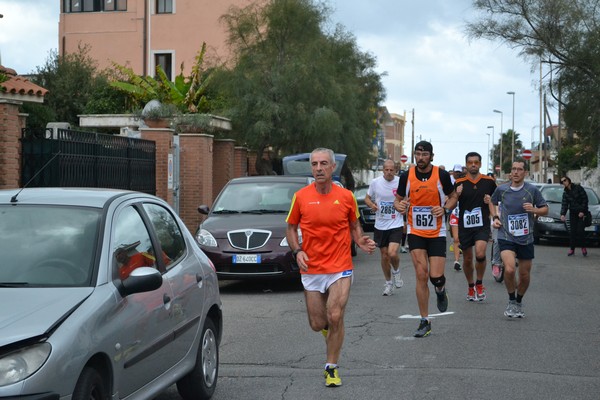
144	33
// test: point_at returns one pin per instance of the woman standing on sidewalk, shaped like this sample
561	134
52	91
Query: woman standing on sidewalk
575	199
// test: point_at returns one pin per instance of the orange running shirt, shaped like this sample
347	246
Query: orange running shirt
422	196
325	223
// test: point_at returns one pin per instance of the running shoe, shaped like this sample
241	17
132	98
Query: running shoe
496	271
442	300
519	310
452	247
424	328
457	266
332	377
471	294
584	251
571	252
481	294
511	309
403	249
388	289
325	332
398	282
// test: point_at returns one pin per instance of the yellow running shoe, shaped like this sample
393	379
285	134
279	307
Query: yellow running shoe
332	377
324	332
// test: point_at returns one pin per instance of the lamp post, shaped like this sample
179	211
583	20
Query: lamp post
501	122
512	153
488	155
491	152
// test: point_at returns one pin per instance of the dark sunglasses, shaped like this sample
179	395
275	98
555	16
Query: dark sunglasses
563	180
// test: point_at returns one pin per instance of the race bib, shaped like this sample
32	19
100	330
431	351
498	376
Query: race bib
423	219
473	218
387	210
518	224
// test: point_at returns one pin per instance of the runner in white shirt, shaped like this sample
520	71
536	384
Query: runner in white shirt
388	224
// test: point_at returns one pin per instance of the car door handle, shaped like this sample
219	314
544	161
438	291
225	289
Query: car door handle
166	298
198	278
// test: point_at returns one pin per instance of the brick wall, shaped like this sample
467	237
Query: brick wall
10	147
223	163
196	173
240	155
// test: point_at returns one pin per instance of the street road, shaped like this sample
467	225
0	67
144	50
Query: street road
269	352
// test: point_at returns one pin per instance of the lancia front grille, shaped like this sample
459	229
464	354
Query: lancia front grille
248	239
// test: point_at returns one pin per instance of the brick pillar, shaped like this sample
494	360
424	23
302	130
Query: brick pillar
163	137
240	155
10	147
252	163
223	164
196	174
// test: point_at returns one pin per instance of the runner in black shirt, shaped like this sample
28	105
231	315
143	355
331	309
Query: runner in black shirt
474	191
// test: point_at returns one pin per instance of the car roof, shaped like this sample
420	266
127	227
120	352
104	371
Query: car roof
272	178
299	165
89	197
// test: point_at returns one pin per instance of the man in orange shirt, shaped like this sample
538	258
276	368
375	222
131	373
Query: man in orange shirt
421	193
328	217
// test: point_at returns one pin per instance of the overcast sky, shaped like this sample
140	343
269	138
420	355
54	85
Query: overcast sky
452	84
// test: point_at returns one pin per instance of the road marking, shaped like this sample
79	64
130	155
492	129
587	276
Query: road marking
408	316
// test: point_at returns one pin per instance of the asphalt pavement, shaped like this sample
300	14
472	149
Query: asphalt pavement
474	352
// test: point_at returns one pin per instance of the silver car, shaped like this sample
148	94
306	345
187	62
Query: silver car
104	294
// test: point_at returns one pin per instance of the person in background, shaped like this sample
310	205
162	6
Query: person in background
453	221
328	215
518	201
575	201
496	260
389	225
422	194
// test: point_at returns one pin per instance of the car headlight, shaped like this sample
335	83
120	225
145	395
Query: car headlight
545	219
205	238
284	242
23	363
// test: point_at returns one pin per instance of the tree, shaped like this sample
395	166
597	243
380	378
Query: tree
506	140
565	36
294	87
75	87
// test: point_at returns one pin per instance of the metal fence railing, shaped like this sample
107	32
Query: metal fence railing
86	159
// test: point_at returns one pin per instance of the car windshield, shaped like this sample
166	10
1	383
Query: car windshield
47	246
553	194
361	193
256	197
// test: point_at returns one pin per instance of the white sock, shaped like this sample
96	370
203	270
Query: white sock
395	271
329	365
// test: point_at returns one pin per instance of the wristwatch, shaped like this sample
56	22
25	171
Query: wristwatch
295	253
495	217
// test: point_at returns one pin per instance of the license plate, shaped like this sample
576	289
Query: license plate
370	218
246	258
592	228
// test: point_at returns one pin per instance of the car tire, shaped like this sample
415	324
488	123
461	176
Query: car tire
201	381
90	386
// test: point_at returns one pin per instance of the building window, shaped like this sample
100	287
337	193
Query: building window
75	6
165	60
164	6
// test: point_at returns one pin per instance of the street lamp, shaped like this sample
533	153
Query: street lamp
512	154
492	150
488	155
501	138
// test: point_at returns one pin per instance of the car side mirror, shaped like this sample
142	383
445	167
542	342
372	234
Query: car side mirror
203	209
142	279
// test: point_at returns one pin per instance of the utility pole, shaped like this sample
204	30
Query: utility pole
412	147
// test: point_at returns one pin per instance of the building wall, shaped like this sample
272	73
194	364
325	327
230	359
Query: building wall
223	163
119	36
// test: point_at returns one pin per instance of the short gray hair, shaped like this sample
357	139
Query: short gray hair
324	150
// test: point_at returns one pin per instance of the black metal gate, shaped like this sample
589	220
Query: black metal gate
70	158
